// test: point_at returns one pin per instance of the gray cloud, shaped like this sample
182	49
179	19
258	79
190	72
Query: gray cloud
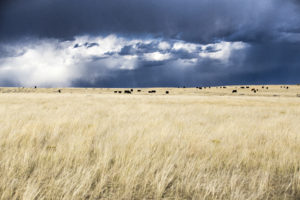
270	28
191	20
280	65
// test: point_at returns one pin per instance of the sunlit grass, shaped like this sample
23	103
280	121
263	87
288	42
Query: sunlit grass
111	146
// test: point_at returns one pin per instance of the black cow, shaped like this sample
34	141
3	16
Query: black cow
120	92
167	92
115	91
59	91
139	90
127	91
234	91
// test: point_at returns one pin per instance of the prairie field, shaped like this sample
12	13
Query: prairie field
189	144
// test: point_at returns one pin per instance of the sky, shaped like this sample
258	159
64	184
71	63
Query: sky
149	43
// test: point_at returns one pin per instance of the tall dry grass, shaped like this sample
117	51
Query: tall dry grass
91	146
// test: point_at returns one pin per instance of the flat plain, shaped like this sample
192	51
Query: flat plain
209	143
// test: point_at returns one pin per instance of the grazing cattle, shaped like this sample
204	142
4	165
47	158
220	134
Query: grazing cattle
127	92
224	87
59	91
152	91
234	91
131	90
115	91
242	87
262	86
253	89
35	87
183	86
167	92
120	92
267	88
247	86
139	90
200	88
287	87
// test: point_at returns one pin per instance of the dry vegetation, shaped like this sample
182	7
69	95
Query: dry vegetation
191	144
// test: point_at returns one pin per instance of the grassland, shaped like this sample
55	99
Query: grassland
190	144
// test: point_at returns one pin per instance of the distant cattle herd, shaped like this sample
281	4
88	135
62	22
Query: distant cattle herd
130	91
254	90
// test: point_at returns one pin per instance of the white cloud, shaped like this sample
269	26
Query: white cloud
189	47
55	63
221	51
164	46
45	63
157	56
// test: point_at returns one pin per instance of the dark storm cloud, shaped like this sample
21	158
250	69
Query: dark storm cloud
144	63
183	54
270	28
9	52
87	45
211	49
141	77
127	50
147	48
191	20
268	63
140	48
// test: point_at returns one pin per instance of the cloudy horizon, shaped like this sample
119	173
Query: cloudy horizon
165	43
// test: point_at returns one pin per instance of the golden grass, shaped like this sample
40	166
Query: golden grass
187	145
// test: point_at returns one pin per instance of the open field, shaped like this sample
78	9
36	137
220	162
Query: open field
268	91
190	144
